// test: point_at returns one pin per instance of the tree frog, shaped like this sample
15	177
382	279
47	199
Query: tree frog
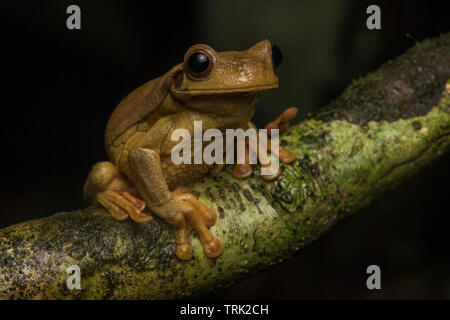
218	88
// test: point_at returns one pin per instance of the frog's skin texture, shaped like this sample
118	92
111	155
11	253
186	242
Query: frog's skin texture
140	172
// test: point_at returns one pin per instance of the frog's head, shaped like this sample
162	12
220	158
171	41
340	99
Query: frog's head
222	82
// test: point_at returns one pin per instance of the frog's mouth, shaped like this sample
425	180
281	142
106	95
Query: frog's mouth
253	89
238	92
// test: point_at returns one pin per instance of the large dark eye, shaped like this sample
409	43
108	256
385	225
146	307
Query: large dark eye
277	56
199	63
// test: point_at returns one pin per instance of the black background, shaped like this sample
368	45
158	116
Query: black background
59	88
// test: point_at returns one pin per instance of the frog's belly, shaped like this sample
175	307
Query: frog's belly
175	175
182	174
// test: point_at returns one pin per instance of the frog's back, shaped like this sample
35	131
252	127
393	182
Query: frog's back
134	108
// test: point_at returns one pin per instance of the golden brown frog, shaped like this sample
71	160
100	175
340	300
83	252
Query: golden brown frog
218	88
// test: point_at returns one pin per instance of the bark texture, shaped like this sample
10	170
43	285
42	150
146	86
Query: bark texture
381	130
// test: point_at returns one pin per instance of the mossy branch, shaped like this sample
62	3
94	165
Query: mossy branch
380	131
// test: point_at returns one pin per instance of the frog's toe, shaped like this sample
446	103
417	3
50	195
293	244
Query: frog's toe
140	217
272	176
107	200
242	171
184	251
117	213
213	249
286	156
217	167
122	205
138	203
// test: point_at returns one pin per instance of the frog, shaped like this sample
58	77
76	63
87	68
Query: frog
220	89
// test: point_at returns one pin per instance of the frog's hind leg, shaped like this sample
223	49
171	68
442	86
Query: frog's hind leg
106	186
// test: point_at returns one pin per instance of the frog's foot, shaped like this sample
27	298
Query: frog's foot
208	215
106	186
122	205
217	167
242	171
285	156
200	217
138	203
185	212
282	122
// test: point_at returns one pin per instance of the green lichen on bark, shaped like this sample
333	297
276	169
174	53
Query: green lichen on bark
381	130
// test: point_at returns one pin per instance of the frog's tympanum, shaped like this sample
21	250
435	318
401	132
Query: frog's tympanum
218	88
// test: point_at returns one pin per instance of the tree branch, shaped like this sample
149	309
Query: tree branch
380	131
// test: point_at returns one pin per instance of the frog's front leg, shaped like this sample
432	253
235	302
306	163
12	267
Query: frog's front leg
180	209
244	170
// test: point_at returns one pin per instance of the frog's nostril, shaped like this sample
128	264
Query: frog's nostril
277	55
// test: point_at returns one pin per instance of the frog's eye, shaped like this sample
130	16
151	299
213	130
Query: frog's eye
199	63
277	55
